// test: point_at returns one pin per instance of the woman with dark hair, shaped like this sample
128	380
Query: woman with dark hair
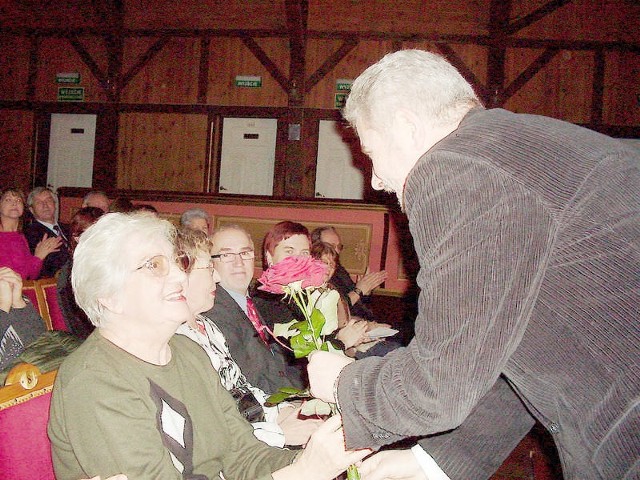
285	239
75	319
14	249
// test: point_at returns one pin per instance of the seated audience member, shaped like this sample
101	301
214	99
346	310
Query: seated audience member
14	248
121	205
264	363
96	198
197	219
136	399
361	347
20	324
357	293
75	318
270	424
43	204
287	239
146	207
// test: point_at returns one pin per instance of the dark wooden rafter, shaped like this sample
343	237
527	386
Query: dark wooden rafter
499	12
529	73
203	70
145	58
597	101
33	66
466	72
297	12
266	62
331	62
537	14
88	60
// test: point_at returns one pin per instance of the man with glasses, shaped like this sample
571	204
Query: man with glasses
261	359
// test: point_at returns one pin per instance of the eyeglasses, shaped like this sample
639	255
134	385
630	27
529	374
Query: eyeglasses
158	266
228	257
209	266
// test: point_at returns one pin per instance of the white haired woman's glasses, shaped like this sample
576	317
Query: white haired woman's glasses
159	265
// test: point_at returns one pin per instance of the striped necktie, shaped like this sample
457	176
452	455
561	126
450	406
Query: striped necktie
252	313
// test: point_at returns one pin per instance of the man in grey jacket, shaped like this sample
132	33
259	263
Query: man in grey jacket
527	232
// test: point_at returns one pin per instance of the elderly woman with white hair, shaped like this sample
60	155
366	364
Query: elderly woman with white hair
137	399
196	219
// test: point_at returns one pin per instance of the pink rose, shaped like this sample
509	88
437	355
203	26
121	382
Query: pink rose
312	272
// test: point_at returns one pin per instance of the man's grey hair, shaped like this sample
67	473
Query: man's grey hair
420	81
37	191
189	215
93	193
99	267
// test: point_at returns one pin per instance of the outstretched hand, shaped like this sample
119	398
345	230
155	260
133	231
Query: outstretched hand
46	246
392	465
370	281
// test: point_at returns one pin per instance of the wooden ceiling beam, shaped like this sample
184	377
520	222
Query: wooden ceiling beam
297	12
145	58
266	62
537	14
529	73
462	67
330	63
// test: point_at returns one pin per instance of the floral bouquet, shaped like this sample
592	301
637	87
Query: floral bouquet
302	281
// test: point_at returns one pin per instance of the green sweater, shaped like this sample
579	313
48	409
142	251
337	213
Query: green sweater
114	413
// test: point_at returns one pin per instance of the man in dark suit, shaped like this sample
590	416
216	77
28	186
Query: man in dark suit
262	360
42	203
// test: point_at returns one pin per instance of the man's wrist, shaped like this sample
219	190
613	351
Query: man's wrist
358	292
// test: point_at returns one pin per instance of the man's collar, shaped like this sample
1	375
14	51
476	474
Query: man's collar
46	224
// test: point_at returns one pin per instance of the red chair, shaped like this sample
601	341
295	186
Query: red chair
34	293
49	289
25	450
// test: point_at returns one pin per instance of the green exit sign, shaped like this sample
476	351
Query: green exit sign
69	77
71	94
343	85
250	81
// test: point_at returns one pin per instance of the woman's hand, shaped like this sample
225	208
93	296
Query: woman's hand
353	333
297	429
46	246
370	281
324	457
10	290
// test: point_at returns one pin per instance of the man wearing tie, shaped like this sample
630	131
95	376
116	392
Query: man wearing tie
262	361
42	203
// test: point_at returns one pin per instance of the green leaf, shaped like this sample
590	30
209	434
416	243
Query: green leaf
317	320
315	406
284	330
286	393
302	346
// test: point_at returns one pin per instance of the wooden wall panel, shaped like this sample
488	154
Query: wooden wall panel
621	103
70	14
171	76
14	65
57	55
196	14
561	89
162	152
229	57
604	20
416	16
16	138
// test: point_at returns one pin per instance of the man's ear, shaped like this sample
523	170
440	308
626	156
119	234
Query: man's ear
410	127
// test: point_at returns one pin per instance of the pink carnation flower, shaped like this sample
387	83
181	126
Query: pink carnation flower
310	271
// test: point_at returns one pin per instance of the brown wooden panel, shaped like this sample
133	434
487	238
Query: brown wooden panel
14	65
262	14
622	89
15	155
561	89
162	152
69	14
169	76
57	55
617	20
322	95
229	57
407	16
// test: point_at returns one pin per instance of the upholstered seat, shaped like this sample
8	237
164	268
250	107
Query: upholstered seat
25	451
